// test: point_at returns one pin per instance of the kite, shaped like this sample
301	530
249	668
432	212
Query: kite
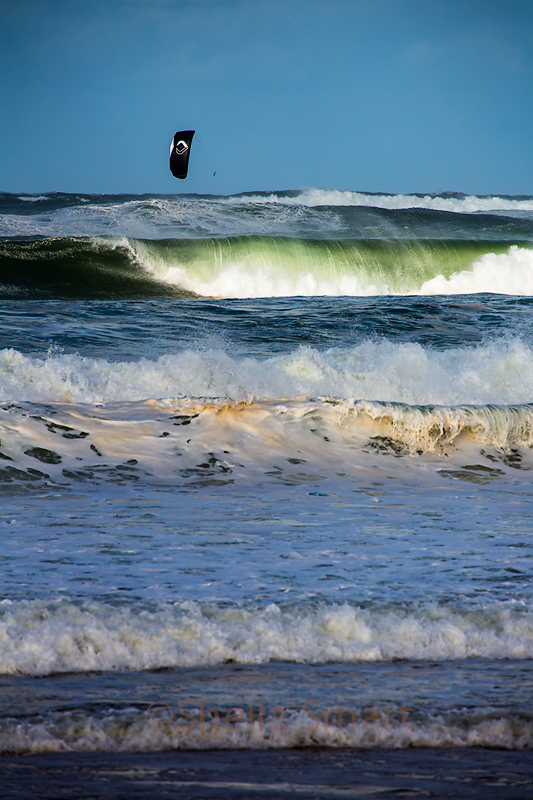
179	153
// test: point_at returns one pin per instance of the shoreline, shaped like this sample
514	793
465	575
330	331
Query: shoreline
464	773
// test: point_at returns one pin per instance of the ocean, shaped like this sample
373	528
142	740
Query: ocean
265	472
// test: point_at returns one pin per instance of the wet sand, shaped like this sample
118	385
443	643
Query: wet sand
333	773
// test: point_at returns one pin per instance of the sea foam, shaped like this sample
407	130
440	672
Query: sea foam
39	638
130	731
504	273
498	372
464	204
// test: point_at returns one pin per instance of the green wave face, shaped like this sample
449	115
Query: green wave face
266	266
402	266
257	266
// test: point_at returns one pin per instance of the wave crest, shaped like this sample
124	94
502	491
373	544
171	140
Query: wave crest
39	639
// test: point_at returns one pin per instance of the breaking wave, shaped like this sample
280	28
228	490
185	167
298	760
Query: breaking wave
447	201
252	266
498	372
129	731
38	638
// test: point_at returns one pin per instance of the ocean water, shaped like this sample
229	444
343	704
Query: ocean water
265	471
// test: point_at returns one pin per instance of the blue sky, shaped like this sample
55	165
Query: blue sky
370	95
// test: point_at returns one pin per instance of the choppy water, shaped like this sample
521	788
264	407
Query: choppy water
277	445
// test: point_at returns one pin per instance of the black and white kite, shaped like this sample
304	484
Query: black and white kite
179	153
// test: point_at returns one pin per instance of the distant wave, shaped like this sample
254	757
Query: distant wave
307	213
457	202
445	201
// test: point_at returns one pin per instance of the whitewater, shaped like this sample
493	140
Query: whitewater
269	452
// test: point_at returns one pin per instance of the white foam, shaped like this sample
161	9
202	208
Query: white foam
130	731
470	204
38	638
499	372
33	198
506	273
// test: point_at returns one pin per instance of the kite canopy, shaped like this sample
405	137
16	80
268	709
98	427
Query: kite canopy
179	153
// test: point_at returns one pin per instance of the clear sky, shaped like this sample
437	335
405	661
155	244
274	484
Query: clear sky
370	95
